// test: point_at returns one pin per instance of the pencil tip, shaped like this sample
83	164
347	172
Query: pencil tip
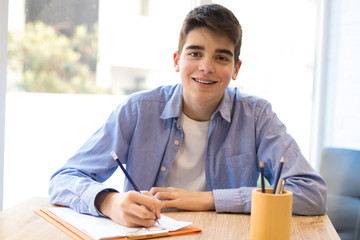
282	159
261	164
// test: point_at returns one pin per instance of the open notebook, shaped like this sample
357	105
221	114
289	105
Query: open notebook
86	227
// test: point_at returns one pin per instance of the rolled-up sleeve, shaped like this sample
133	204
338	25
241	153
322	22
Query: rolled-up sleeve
233	200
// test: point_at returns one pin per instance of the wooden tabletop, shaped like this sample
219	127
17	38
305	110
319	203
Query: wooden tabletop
20	222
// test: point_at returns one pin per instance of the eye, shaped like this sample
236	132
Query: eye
195	54
223	59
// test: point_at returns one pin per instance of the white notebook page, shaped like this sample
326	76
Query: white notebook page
101	228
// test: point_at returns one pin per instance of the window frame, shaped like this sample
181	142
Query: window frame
320	82
4	6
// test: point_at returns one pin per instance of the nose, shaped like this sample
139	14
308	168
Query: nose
207	65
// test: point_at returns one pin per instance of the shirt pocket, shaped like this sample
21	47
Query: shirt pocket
237	171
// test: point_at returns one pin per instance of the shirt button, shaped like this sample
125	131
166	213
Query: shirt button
176	142
163	169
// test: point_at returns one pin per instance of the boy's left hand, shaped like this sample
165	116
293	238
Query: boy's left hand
184	199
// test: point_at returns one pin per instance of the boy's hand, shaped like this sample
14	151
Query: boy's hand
184	199
131	209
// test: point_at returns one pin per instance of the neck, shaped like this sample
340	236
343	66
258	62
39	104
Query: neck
199	112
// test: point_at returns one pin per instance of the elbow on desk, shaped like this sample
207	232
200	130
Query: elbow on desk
313	203
54	193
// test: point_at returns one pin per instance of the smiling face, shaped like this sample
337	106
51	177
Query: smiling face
206	66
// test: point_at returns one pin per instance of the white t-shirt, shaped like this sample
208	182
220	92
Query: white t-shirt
188	168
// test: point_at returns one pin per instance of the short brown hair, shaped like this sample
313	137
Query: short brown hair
216	18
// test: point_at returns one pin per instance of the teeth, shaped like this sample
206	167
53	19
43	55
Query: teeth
202	81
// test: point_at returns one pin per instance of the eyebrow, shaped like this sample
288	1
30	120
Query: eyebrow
228	52
197	47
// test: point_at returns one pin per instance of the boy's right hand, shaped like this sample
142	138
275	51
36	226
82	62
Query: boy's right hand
131	209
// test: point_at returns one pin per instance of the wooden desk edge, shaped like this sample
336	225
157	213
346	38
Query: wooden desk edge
27	208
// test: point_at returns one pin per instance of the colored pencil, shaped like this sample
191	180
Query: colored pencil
278	174
113	154
262	176
125	172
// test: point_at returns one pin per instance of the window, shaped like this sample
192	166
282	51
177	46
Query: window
70	63
100	51
278	59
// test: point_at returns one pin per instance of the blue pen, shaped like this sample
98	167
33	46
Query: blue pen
124	170
278	174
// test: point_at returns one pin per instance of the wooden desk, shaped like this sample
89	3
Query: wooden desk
20	222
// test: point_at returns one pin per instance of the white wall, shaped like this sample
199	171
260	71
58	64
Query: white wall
43	130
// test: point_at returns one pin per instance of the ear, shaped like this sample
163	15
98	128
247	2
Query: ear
236	69
176	58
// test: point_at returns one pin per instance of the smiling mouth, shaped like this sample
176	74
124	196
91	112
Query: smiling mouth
203	81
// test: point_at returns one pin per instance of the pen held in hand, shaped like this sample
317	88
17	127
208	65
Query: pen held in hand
278	174
113	154
124	170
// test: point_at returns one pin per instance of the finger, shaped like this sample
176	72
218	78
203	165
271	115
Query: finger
166	195
157	211
144	192
158	206
171	204
147	193
143	198
135	221
147	201
131	214
134	203
155	190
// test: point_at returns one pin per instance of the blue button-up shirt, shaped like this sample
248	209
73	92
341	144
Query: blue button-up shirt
145	133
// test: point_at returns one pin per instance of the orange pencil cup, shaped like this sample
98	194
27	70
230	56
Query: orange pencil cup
270	215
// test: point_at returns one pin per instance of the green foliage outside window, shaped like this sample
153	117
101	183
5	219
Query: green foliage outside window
43	60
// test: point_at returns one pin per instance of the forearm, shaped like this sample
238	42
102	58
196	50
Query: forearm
76	190
203	201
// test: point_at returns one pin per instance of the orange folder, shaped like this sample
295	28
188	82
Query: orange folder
79	235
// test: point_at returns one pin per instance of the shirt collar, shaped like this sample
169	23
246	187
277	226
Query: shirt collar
173	107
224	107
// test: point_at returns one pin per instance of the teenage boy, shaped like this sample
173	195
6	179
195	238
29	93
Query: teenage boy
193	146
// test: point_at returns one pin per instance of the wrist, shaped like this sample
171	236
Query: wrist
210	203
102	201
